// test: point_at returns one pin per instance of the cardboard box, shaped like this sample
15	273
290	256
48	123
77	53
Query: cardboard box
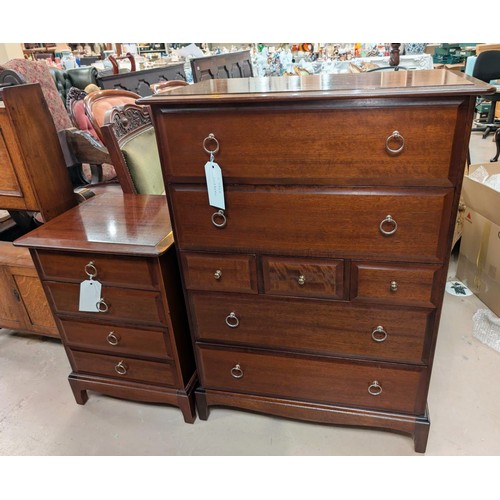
479	259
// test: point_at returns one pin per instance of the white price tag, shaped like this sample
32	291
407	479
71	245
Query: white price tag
90	295
213	174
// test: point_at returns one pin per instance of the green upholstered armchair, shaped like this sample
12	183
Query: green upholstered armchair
130	139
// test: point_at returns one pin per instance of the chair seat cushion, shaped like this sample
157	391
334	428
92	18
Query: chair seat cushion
143	161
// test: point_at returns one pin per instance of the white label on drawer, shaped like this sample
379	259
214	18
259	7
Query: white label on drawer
213	174
90	295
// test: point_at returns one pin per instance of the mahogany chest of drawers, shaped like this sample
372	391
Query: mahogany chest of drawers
315	292
136	343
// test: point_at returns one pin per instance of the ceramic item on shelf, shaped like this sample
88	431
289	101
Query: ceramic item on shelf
68	59
415	48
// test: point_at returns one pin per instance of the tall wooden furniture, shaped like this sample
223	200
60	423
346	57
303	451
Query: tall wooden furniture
316	292
33	174
135	344
33	178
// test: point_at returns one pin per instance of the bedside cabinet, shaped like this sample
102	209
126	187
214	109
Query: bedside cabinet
135	344
315	293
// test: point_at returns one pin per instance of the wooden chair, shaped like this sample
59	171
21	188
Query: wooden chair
130	138
98	103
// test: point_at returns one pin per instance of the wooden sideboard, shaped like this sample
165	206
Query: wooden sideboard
316	292
140	81
134	343
222	66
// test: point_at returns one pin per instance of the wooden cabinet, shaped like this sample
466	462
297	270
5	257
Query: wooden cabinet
23	306
135	344
33	173
316	292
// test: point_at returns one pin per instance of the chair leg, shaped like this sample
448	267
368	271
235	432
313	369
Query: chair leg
497	141
96	171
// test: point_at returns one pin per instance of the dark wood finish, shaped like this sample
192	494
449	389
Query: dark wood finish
129	241
320	153
114	62
394	54
33	173
97	104
140	81
296	222
312	379
303	277
129	341
232	65
394	283
218	272
308	178
313	326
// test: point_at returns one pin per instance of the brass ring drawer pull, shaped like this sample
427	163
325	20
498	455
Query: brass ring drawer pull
379	334
219	219
301	280
236	371
113	338
207	140
398	139
102	307
375	389
121	368
394	286
391	222
232	320
90	269
218	274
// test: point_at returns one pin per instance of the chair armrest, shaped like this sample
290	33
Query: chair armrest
85	148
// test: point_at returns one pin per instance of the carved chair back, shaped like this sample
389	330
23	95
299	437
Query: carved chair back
98	103
130	138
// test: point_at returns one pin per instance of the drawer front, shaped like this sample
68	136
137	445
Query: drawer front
115	270
318	380
218	272
122	367
303	277
315	145
396	284
122	303
117	339
314	326
317	222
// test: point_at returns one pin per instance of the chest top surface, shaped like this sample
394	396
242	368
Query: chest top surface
332	86
127	224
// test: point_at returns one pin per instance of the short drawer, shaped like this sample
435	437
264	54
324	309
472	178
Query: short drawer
385	333
136	272
335	381
303	277
117	339
121	303
336	145
404	224
220	272
394	283
122	367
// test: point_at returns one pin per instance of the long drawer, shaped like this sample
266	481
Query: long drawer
117	339
114	270
405	224
119	303
122	367
314	326
311	145
335	381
